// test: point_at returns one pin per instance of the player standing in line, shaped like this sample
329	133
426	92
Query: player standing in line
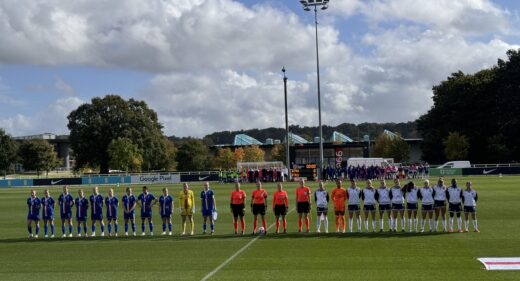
112	203
425	194
259	206
146	200
129	203
354	200
303	204
454	196
96	200
470	198
33	215
397	197
280	207
383	199
321	197
208	206
66	201
368	195
187	206
439	197
411	192
339	197
81	212
238	207
48	205
166	210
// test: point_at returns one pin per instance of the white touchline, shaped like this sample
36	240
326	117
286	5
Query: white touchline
236	254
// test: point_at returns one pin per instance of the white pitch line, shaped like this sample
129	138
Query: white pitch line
218	268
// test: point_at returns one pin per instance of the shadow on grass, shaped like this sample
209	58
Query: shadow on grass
177	237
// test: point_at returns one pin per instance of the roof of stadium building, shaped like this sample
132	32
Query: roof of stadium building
339	137
293	138
391	134
243	139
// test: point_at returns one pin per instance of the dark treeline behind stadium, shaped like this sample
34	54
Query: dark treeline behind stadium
356	132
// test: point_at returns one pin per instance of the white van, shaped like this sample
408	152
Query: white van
455	164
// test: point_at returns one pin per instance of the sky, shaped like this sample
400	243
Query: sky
215	65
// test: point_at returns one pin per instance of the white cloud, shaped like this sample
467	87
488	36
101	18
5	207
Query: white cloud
213	60
473	17
53	119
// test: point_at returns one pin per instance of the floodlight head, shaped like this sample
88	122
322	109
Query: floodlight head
325	7
304	2
283	69
306	8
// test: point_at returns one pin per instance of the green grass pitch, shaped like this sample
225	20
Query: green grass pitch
292	256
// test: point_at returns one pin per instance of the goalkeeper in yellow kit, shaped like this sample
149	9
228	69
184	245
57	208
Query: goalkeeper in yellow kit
187	205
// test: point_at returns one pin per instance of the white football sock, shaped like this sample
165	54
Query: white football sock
326	224
466	224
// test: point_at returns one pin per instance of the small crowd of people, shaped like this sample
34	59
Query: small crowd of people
364	172
393	201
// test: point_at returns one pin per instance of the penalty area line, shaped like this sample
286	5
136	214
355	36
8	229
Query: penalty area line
232	257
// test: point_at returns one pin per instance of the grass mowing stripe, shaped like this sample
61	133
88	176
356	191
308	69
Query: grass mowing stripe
218	268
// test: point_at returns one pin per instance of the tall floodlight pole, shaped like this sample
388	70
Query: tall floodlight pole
324	4
287	159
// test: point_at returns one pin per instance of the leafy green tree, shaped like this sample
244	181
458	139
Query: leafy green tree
224	159
456	146
278	153
399	150
94	125
8	152
124	155
253	153
483	107
382	145
391	147
193	155
38	155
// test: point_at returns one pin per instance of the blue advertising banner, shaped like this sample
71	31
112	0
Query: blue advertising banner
106	180
16	182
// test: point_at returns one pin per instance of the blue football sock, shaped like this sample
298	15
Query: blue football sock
70	229
29	229
79	229
142	227
151	227
212	227
126	227
163	227
45	229
204	227
94	228
133	227
116	227
85	228
109	228
102	228
170	227
63	229
52	229
37	230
